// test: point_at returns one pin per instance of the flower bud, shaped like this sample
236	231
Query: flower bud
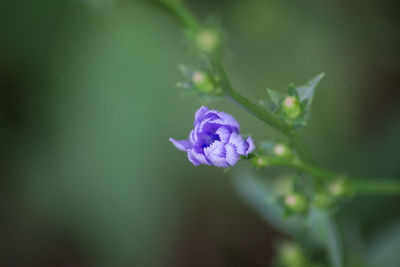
259	161
203	82
291	255
296	202
337	188
281	150
207	40
291	107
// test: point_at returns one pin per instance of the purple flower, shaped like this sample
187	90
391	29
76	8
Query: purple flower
215	140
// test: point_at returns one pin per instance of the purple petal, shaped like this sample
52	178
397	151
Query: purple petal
250	142
208	128
216	153
231	155
193	135
197	158
200	114
237	141
183	145
224	119
224	133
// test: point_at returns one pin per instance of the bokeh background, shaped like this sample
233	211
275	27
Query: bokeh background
88	102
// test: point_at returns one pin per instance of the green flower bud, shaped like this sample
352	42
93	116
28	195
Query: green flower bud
203	82
259	161
338	188
291	255
207	40
282	150
296	202
291	107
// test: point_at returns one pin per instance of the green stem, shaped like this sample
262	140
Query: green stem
318	173
190	23
374	187
179	13
355	185
249	106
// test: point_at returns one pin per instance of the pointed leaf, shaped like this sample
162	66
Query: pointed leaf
306	91
185	85
276	97
187	71
291	91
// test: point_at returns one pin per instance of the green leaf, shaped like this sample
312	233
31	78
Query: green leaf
276	97
262	195
292	91
187	71
185	85
324	231
385	246
306	91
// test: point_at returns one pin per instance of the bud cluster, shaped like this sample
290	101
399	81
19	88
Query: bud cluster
294	105
331	193
200	81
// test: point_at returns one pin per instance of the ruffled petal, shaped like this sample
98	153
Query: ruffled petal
224	119
231	155
183	145
200	114
224	133
197	158
251	147
239	143
193	135
216	153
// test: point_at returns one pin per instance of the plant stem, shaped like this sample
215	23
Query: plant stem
187	21
355	185
374	187
318	173
179	13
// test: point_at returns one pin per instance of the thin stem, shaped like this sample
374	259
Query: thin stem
355	185
190	23
179	13
246	104
374	187
318	173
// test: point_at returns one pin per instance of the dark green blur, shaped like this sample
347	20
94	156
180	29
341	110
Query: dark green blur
88	102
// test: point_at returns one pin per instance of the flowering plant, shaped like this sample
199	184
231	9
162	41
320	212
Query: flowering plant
215	140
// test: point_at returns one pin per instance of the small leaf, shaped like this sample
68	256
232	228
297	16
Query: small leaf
276	97
206	65
306	91
187	71
291	91
185	85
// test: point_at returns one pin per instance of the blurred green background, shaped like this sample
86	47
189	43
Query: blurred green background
88	102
